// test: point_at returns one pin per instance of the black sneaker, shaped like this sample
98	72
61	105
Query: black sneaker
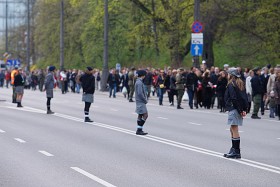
88	120
141	133
50	112
234	154
179	107
255	117
130	100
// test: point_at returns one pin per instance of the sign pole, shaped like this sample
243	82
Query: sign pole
196	18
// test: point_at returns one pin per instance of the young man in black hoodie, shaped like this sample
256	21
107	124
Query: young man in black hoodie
88	84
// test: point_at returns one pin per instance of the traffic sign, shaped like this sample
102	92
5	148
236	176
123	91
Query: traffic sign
14	62
196	49
197	27
197	44
197	38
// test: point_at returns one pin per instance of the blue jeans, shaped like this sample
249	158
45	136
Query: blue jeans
191	95
272	112
111	88
160	95
78	87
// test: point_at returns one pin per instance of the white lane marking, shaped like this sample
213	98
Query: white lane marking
194	123
1	131
115	110
162	118
134	113
247	162
45	153
20	140
96	179
95	106
278	138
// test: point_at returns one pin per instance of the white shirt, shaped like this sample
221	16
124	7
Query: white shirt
248	85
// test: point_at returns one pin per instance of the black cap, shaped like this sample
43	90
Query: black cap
51	68
141	73
256	69
89	68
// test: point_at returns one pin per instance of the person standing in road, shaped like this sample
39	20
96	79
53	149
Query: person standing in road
141	101
131	83
88	84
19	87
180	87
276	90
257	92
191	85
13	74
172	87
249	89
161	86
41	79
113	81
264	79
221	89
49	86
236	103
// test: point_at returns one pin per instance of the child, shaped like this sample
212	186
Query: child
272	105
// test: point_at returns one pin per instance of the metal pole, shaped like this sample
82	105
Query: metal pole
62	35
196	18
7	46
28	36
105	70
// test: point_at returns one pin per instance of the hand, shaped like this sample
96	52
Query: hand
243	114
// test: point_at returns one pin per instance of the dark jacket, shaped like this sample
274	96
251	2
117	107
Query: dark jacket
88	83
264	81
191	81
160	80
257	86
234	98
221	87
148	80
113	79
124	80
19	80
172	82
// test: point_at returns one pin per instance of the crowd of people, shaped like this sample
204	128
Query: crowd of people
202	87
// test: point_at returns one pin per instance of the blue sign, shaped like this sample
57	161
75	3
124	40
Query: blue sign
14	62
196	49
118	66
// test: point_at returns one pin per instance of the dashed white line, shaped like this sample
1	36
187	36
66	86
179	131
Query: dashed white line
115	110
162	118
96	179
1	131
45	153
278	138
195	123
20	140
134	113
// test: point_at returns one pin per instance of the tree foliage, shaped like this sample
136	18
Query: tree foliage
157	32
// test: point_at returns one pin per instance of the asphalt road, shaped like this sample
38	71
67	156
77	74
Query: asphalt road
183	148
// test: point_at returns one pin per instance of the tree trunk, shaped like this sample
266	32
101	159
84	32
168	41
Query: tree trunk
105	71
